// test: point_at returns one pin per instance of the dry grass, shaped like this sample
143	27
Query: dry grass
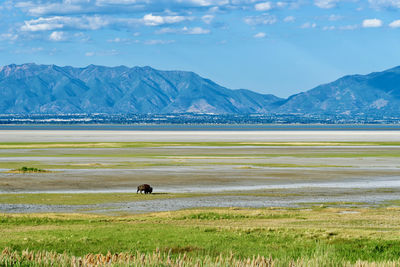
158	258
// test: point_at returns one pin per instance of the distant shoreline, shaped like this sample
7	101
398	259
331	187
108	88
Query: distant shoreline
204	127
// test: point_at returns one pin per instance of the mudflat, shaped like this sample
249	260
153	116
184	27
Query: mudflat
197	136
288	167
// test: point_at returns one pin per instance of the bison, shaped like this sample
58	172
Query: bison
144	187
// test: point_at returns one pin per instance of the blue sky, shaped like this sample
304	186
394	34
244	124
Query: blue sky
280	47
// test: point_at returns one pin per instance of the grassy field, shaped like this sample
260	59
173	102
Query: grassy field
330	236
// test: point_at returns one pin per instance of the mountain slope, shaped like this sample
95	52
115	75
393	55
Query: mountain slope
49	89
374	94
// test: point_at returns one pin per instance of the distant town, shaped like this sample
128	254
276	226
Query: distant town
192	118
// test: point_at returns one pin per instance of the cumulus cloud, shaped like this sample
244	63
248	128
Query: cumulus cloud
326	3
95	22
260	35
61	22
395	24
372	23
154	20
264	6
57	36
263	19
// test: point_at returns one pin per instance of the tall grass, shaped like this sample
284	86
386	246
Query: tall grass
158	258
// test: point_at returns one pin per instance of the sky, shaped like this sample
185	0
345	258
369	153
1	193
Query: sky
279	47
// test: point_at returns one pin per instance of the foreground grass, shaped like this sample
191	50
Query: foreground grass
325	235
45	258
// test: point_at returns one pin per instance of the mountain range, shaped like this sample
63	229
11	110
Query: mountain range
50	89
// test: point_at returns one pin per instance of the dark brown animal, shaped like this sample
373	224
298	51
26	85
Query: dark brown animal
147	189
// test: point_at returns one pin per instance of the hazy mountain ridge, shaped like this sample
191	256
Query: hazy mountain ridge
377	93
31	88
50	89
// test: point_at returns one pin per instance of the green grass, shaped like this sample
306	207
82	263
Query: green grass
371	235
25	169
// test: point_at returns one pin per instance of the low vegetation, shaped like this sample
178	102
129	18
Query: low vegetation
317	236
28	170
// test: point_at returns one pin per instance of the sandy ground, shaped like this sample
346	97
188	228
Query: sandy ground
193	136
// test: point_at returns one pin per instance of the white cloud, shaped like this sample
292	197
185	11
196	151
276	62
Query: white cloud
61	22
116	2
372	23
57	36
264	6
289	19
308	25
196	30
259	20
96	22
260	35
203	3
89	54
158	42
184	30
281	4
326	3
208	18
115	40
395	24
54	8
335	17
385	3
152	20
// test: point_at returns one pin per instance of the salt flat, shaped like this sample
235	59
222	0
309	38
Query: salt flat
197	136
